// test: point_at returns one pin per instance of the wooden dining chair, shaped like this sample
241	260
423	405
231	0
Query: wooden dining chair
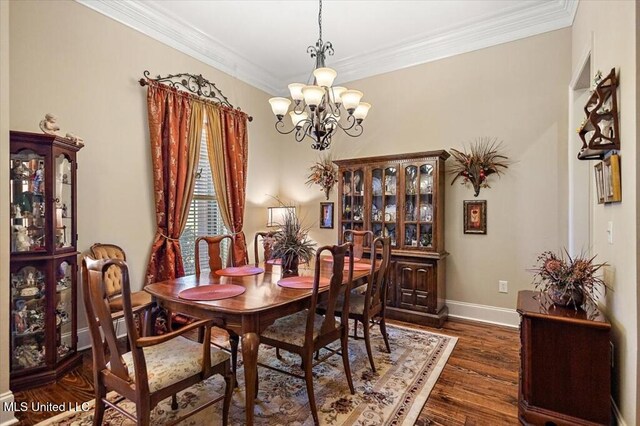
157	367
360	240
214	247
266	238
306	331
368	306
140	300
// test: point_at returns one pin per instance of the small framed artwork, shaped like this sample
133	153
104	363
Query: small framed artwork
475	216
326	215
599	182
611	175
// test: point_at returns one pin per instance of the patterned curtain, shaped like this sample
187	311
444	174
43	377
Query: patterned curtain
175	146
228	149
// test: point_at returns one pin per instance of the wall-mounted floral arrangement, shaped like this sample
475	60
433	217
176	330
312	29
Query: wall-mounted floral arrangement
475	166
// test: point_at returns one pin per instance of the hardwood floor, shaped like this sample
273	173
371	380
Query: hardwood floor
478	386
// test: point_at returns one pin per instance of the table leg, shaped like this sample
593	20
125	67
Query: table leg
250	344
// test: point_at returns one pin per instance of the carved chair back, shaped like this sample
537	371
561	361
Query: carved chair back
266	245
360	240
375	295
214	247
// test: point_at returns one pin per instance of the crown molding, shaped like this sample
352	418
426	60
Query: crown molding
523	20
510	25
156	23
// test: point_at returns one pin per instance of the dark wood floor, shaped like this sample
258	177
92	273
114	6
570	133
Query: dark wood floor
479	384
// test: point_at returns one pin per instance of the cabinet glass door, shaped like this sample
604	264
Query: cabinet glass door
388	202
64	309
28	310
425	205
27	196
63	202
353	200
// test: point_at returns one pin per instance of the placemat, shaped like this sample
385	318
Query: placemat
305	282
274	262
212	292
239	271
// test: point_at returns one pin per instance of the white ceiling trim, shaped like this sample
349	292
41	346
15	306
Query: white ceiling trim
510	25
175	33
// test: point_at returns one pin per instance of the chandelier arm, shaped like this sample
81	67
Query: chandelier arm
302	105
279	125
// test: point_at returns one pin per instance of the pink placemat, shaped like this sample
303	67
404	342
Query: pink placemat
212	292
305	282
239	271
346	259
358	266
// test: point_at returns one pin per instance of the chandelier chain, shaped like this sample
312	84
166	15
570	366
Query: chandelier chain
320	19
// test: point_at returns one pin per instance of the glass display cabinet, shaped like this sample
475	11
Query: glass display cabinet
402	197
43	273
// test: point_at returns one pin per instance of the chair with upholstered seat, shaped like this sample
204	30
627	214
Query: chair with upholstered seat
140	300
366	307
156	367
360	240
266	238
214	247
305	332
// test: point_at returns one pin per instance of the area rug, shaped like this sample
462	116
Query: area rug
395	394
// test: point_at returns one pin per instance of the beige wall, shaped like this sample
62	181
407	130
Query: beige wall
6	417
72	61
611	28
515	92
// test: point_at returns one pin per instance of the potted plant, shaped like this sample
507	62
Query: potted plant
291	243
569	280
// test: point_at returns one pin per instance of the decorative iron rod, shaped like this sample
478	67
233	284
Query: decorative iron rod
196	84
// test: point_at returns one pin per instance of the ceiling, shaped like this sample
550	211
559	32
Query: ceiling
264	42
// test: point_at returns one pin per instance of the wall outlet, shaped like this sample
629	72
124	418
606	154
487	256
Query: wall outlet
503	286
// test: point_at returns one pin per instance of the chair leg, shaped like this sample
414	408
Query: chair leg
367	343
345	359
257	383
278	354
98	411
143	413
233	341
200	334
383	330
229	378
308	378
174	401
355	329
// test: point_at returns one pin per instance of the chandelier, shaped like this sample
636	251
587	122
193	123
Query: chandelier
321	109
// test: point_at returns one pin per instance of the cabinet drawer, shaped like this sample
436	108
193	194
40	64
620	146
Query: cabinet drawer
415	286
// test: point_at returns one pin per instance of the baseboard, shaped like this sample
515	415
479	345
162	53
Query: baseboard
483	313
7	416
84	338
618	415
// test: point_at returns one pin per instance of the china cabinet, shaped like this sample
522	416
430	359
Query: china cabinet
43	272
402	197
565	373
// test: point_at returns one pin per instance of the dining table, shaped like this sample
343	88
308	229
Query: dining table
246	315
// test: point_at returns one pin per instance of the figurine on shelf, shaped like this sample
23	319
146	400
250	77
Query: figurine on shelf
65	178
20	316
19	171
21	238
49	125
64	210
38	180
74	138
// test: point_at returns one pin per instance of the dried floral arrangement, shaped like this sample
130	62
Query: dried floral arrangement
476	166
323	173
569	280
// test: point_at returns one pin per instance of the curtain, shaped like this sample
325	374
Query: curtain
175	126
228	153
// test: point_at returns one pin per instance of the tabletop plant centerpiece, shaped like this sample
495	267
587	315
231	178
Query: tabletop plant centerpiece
323	173
291	243
569	281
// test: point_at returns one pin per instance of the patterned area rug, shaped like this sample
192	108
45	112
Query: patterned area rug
395	394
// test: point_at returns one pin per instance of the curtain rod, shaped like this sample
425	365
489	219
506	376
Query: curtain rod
196	84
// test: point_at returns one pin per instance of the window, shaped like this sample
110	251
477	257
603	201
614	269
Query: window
204	216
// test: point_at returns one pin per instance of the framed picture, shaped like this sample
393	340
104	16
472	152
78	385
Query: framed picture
475	216
611	175
326	215
599	182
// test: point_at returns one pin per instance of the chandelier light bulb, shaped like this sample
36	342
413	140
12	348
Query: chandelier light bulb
351	99
313	95
296	91
279	106
335	93
297	119
324	76
361	111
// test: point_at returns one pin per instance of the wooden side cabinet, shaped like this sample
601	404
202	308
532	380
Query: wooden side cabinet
565	375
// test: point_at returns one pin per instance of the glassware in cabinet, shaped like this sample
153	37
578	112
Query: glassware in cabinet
64	272
63	202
